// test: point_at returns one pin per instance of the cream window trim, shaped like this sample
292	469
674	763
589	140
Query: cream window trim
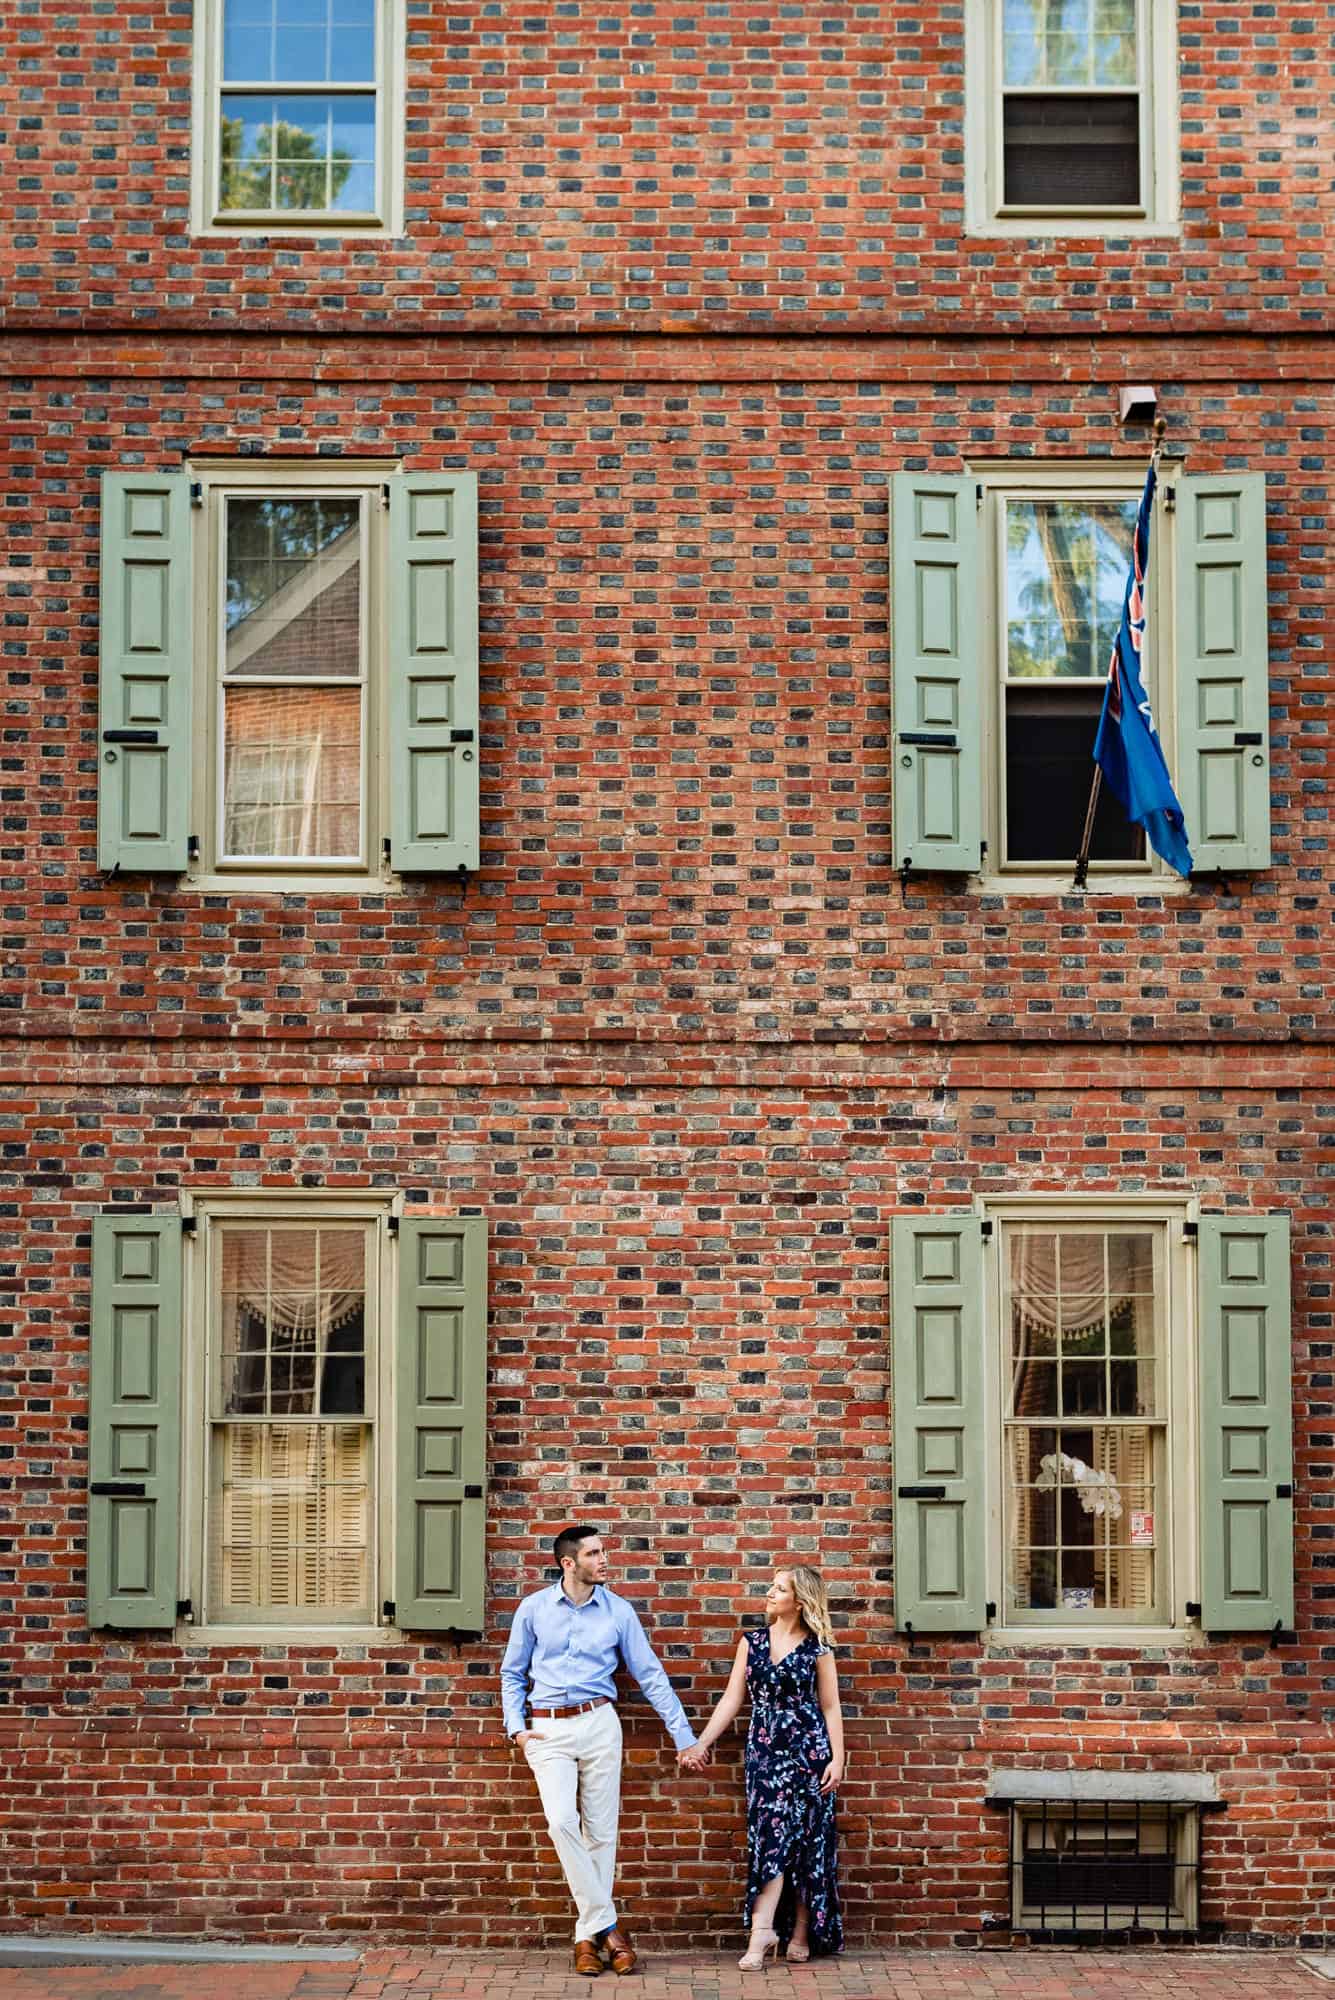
1173	1210
1160	140
385	222
206	1208
1075	479
217	479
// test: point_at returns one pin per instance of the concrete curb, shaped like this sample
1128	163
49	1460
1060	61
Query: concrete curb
164	1951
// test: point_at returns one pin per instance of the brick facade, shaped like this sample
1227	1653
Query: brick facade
684	293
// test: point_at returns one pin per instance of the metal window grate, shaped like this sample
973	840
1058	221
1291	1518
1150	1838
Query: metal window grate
1104	1868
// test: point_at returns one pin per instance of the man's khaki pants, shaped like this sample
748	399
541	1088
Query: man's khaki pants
576	1760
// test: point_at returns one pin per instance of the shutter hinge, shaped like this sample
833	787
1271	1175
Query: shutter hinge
389	1611
1279	1636
472	1493
392	1224
989	1611
1284	1491
1169	499
192	847
189	1224
986	1226
1192	1610
384	493
1190	1231
385	850
978	494
196	493
904	878
185	1609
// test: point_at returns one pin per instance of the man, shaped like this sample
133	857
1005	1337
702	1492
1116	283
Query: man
568	1638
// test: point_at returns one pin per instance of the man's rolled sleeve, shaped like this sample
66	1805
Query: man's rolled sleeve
644	1666
514	1671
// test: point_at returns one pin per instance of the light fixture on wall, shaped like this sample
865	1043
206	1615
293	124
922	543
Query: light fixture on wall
1136	403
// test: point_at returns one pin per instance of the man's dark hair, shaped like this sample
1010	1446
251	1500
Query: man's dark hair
568	1541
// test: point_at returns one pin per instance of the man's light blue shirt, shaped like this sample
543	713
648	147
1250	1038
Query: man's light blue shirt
572	1650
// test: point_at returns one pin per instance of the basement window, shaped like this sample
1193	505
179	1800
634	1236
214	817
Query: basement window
1104	1853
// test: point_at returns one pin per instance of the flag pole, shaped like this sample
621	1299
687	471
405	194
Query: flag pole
1096	785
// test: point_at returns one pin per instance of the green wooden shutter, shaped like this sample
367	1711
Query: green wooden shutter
144	747
134	1442
1246	1440
440	1521
940	1489
1223	683
433	671
938	744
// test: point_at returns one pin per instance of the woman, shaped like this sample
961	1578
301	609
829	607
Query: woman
794	1764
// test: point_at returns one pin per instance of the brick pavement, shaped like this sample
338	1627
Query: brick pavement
896	1975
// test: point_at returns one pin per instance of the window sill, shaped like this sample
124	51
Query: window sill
214	883
293	228
1087	1638
1152	1787
290	1638
1062	883
1090	222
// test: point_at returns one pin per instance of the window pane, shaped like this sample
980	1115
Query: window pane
293	1306
352	155
290	1520
299	41
292	773
1066	570
1050	731
245	147
293	587
1077	44
1081	1519
301	152
1064	152
247	44
301	54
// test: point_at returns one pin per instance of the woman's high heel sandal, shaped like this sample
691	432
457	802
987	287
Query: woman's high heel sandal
797	1954
761	1945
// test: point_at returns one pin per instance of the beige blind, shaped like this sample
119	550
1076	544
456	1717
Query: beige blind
290	1519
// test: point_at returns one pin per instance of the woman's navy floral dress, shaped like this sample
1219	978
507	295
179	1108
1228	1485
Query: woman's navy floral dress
790	1827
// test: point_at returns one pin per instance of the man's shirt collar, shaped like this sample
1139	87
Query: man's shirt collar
598	1596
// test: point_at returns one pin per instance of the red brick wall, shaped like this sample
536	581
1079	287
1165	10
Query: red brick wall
689	1343
682	1039
794	168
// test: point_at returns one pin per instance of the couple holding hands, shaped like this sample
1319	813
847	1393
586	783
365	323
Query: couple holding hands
559	1694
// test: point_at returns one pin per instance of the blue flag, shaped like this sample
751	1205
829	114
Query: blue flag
1127	748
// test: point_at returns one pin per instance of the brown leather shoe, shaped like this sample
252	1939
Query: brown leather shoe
620	1952
587	1958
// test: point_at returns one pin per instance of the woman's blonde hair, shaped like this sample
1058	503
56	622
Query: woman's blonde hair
812	1600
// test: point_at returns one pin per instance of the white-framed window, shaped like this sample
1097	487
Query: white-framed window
288	1396
1092	1341
1092	1416
288	684
1006	584
287	1416
1072	124
298	116
291	665
1056	550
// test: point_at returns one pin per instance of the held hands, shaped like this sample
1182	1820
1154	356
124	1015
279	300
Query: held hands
695	1757
832	1776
